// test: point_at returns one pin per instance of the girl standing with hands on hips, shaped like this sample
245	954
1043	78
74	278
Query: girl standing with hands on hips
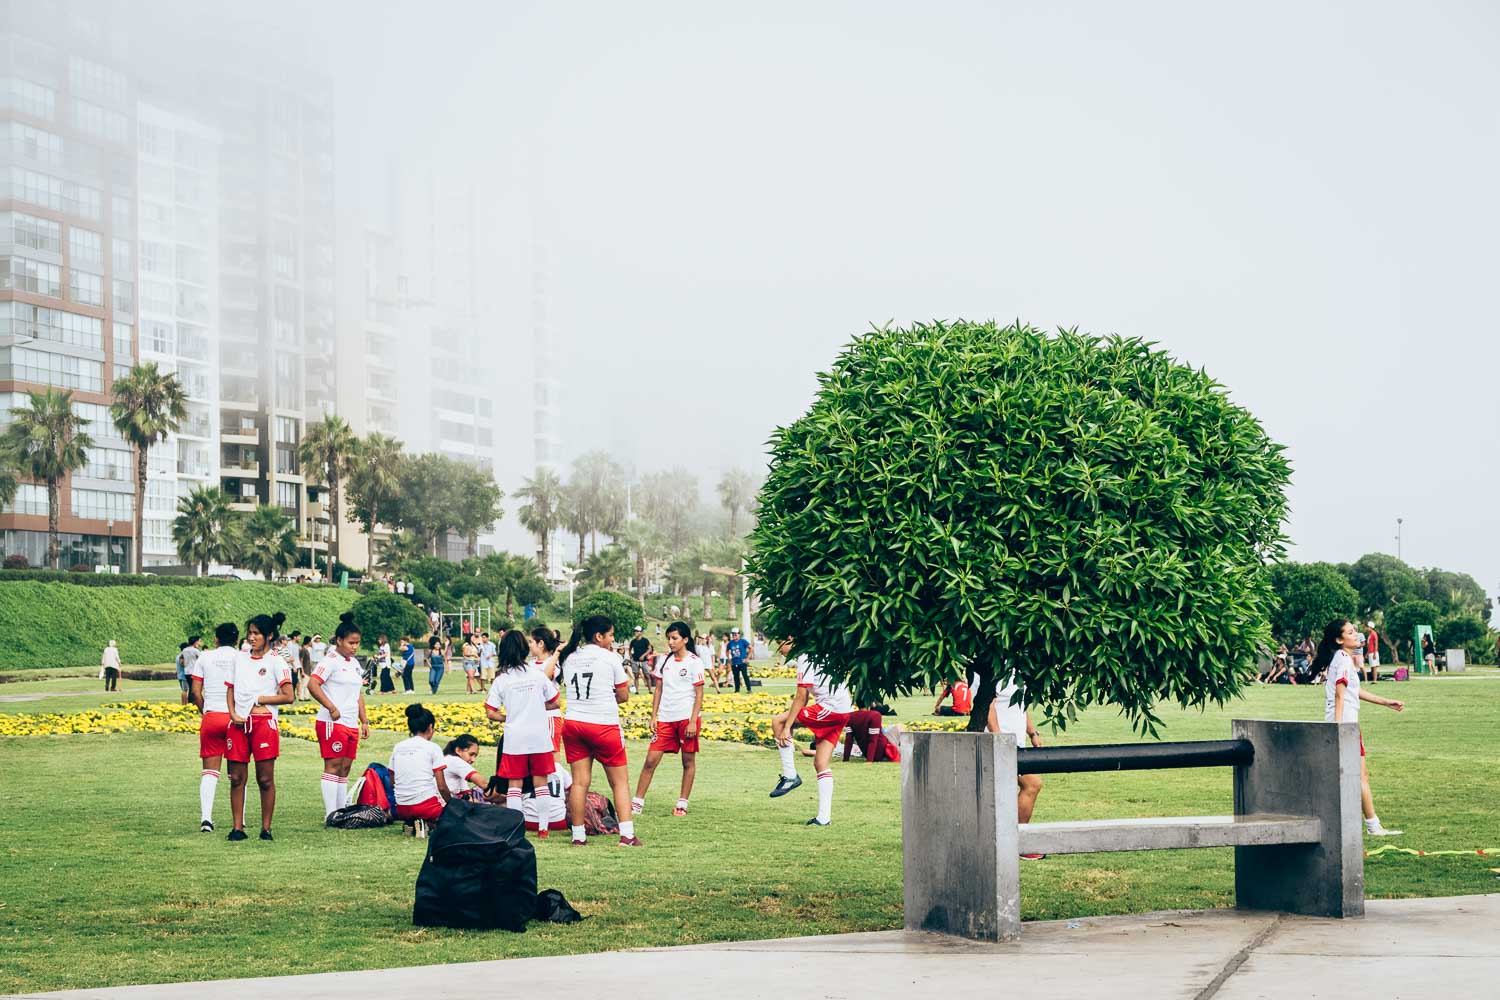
1341	704
338	687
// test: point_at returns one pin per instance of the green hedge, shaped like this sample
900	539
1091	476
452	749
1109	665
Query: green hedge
49	625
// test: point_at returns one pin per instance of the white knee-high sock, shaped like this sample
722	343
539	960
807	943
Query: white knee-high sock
207	785
513	799
330	788
825	796
343	798
543	807
788	760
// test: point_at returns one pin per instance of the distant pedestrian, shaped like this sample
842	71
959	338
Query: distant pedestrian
738	649
186	656
1372	653
408	662
435	663
110	667
963	700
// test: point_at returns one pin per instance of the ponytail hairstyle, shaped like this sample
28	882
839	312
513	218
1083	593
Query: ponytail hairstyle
462	742
267	625
419	719
584	632
513	652
227	634
546	637
1328	645
346	626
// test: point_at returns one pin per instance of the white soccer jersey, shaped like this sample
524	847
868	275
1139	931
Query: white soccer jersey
590	677
557	802
680	681
414	766
215	667
343	682
524	694
254	676
538	664
1011	717
1341	669
833	696
456	773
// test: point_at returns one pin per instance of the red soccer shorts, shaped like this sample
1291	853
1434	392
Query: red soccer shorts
584	740
428	809
672	737
525	765
335	740
826	726
555	724
262	742
211	732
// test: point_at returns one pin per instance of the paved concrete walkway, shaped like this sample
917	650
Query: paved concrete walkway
1440	948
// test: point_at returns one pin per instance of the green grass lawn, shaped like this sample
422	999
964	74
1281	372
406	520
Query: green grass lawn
100	854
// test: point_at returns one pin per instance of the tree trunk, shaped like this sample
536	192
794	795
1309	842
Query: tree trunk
983	693
370	537
333	521
54	494
580	550
640	579
733	583
138	521
594	542
546	553
707	608
733	521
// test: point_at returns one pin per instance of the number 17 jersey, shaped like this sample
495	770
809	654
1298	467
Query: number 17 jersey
589	679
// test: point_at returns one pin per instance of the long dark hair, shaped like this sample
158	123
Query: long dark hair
1333	636
462	742
583	632
419	719
546	637
513	651
267	625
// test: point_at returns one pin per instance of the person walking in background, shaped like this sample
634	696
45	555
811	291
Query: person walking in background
110	667
1342	695
640	659
183	680
434	663
471	665
408	662
1372	653
319	648
486	660
738	649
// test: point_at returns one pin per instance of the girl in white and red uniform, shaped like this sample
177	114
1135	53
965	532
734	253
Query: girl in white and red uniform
824	706
259	682
417	768
544	645
594	677
337	685
210	674
676	714
520	697
458	771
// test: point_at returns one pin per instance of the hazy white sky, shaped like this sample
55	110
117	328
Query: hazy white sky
1301	198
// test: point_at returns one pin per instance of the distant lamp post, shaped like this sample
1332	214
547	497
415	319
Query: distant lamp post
571	572
1398	536
109	552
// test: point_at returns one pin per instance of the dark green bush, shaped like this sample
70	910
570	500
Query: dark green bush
617	607
1307	597
387	614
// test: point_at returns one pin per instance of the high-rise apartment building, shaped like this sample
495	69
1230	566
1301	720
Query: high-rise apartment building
67	260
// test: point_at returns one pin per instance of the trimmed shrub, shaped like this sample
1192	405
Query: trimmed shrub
622	610
387	614
16	562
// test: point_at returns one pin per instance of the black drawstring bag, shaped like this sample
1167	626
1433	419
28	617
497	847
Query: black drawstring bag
480	870
553	908
358	817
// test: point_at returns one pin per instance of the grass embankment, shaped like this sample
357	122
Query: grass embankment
50	625
131	883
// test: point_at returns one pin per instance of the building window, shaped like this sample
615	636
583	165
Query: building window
123	334
88	77
286	496
51	192
23	364
31	98
22	319
34	144
160	338
120	211
108	463
104	123
31	498
122	295
26	275
122	255
98	423
85	288
85	247
30	231
156	258
155	296
101	505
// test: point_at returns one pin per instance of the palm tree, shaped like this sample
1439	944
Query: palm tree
45	441
573	514
327	449
607	567
515	574
268	542
401	548
374	483
540	513
648	543
736	492
8	482
202	529
598	482
148	405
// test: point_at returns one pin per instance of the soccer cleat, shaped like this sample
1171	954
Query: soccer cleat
266	835
238	835
580	843
206	827
631	842
818	822
784	785
1381	831
541	833
1032	857
679	811
636	808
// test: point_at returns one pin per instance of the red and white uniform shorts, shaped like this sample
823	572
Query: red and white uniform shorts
336	741
826	726
262	741
525	765
555	725
211	732
428	809
672	737
604	743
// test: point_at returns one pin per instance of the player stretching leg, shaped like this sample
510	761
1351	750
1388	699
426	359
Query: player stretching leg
823	706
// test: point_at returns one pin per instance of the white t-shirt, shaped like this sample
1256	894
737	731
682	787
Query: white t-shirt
487	654
590	677
1341	669
680	681
557	803
524	694
1011	717
253	676
414	766
551	712
215	666
291	652
384	654
318	649
343	682
833	696
456	772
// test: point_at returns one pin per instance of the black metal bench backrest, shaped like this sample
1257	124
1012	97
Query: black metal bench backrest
1135	756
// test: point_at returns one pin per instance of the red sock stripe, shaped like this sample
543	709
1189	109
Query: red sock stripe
824	774
542	792
210	774
331	777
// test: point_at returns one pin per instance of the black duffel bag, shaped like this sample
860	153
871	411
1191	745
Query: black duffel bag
480	870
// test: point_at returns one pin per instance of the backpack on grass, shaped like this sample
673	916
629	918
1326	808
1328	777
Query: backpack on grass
377	788
599	816
358	817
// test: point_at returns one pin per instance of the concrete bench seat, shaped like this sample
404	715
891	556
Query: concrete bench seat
1168	833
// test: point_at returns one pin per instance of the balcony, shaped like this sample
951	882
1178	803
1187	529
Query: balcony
195	429
246	505
239	434
317	510
194	470
243	466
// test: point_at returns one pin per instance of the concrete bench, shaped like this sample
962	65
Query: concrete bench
1295	830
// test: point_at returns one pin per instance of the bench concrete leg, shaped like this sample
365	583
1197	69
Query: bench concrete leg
1302	769
958	834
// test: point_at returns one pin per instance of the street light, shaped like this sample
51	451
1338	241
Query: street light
571	572
109	553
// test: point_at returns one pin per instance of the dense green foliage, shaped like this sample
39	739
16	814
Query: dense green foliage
1383	579
617	607
1402	619
106	579
1457	594
1086	512
387	614
64	624
1308	597
1459	631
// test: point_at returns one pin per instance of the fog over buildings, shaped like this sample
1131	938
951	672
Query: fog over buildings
513	233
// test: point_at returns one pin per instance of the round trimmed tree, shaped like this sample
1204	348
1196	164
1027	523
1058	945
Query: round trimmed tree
1085	512
623	611
1307	597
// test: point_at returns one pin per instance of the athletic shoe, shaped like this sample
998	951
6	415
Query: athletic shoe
817	822
631	842
266	835
1381	831
580	843
636	810
206	827
679	811
238	835
784	785
1032	857
541	834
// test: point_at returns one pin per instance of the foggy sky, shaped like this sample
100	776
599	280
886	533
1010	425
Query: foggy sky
1300	199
